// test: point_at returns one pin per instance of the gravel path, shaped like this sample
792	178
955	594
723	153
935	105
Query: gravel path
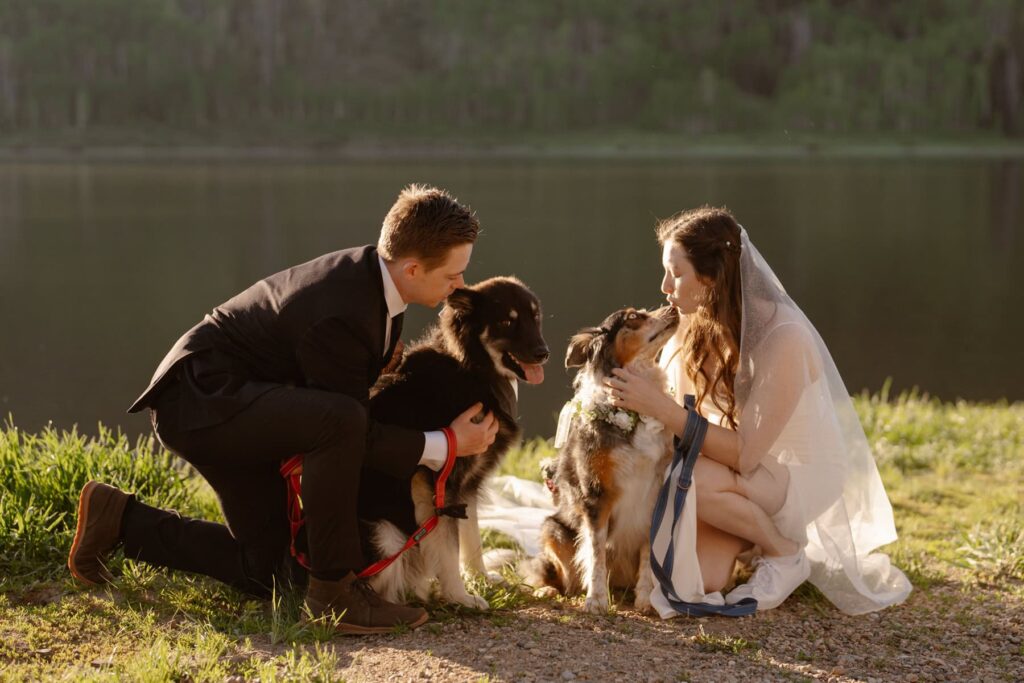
948	632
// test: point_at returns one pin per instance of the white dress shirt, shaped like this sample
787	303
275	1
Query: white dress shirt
435	445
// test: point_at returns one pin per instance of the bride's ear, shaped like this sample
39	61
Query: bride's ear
581	347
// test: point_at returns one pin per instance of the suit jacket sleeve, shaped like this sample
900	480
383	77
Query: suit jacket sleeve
333	359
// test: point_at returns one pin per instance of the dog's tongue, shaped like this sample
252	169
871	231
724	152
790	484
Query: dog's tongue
534	372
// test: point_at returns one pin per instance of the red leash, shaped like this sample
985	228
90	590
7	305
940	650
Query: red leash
291	470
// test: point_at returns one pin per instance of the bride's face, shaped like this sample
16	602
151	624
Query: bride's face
681	285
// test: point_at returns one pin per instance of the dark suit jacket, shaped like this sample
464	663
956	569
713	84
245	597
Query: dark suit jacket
319	325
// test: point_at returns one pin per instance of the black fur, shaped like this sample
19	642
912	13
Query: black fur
443	374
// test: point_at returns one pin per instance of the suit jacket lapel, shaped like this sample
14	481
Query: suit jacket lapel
380	315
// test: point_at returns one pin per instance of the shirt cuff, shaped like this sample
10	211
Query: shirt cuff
435	450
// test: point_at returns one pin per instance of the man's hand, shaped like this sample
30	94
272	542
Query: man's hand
473	435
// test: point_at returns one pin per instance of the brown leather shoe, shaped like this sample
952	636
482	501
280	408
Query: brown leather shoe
357	607
100	508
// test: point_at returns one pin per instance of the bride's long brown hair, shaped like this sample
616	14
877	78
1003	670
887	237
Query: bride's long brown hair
710	236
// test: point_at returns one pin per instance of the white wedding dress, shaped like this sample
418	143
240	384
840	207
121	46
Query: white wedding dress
793	407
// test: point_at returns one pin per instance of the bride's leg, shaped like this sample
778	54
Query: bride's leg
737	505
716	554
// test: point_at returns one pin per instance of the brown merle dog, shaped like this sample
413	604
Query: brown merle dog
608	471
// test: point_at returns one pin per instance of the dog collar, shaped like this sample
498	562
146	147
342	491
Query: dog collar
623	419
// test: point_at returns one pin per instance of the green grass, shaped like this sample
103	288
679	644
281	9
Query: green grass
714	642
952	471
42	475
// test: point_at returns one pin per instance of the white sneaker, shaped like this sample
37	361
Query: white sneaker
773	580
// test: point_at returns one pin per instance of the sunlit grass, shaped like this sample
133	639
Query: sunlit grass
952	471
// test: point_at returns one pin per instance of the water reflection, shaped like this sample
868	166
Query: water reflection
908	269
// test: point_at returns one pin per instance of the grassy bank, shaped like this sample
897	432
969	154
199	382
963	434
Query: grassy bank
953	473
243	144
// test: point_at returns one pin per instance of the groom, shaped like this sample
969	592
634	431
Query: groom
283	368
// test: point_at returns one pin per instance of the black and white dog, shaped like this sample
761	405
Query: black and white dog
487	339
608	471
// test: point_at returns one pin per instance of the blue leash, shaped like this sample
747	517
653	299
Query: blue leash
684	458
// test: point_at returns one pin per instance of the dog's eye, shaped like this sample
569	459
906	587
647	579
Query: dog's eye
631	316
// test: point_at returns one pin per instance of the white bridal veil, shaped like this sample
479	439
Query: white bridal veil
792	406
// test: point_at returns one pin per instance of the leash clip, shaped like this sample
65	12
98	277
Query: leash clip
457	511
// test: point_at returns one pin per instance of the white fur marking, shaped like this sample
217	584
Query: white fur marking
495	355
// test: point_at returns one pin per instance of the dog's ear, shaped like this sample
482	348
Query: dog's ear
581	346
461	301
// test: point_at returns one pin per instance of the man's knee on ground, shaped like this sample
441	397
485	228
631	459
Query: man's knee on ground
261	565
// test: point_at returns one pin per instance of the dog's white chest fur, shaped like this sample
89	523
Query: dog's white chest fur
638	469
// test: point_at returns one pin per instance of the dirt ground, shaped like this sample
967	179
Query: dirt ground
944	633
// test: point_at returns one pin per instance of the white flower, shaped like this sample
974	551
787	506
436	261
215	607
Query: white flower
622	420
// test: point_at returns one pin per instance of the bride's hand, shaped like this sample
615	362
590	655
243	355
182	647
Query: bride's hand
635	392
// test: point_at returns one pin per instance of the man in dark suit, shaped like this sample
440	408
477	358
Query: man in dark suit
283	368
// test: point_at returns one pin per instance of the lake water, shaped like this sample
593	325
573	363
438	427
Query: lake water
909	269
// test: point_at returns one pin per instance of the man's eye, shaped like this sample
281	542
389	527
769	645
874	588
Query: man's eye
506	323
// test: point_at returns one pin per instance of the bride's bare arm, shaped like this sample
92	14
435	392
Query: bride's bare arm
772	402
721	444
635	392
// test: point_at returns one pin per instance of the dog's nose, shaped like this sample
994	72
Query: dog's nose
541	353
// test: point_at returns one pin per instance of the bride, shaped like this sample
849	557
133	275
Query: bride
785	470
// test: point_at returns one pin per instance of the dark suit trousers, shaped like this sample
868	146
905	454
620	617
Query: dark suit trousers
240	458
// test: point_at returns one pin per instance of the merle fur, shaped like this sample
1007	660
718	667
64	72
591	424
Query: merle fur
575	486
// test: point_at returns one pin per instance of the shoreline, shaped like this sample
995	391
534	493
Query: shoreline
811	151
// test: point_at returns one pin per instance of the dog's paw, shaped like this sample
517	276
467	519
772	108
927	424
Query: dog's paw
470	600
546	592
643	603
596	604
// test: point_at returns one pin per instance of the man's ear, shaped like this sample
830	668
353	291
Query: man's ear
461	301
411	267
580	346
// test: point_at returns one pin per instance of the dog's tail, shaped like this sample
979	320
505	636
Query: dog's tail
535	572
497	559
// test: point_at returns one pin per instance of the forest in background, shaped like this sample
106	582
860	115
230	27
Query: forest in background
333	71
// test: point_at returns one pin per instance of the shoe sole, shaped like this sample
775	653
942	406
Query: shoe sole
83	506
357	630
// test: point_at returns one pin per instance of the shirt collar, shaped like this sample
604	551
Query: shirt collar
394	300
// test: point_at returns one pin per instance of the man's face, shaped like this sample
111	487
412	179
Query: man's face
431	287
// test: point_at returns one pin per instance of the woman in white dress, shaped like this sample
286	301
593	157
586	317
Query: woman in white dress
785	469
